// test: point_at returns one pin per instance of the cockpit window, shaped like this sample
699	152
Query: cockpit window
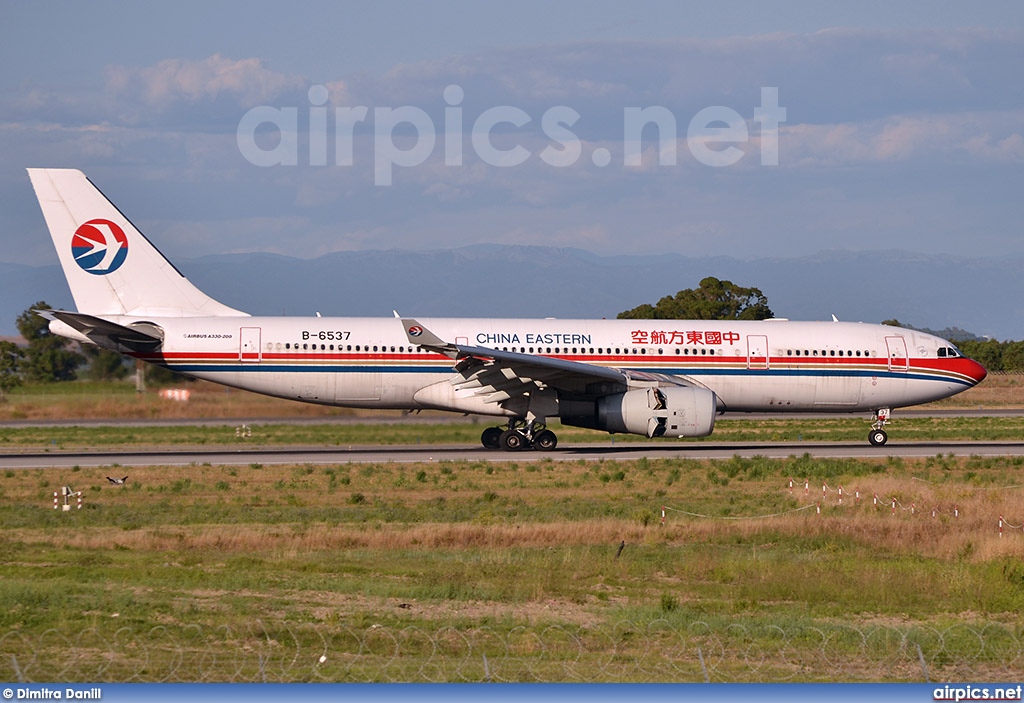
948	352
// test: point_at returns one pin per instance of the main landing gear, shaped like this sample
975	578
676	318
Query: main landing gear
877	435
519	434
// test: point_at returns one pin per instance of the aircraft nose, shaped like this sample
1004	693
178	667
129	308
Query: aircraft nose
975	370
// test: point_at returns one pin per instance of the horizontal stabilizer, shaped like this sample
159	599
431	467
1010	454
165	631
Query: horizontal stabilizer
106	334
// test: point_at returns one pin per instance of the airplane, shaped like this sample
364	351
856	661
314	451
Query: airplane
656	378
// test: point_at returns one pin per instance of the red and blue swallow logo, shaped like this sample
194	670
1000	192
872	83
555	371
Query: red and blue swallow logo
99	247
415	331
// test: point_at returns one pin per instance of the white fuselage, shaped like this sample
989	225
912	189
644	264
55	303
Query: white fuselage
750	365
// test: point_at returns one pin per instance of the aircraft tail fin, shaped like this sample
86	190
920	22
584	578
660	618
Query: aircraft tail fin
110	266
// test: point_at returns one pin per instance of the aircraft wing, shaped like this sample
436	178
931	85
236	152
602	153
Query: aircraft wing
499	375
107	334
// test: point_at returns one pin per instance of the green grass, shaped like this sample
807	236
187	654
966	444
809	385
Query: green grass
421	571
409	433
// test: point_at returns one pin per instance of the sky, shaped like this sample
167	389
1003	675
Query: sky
745	129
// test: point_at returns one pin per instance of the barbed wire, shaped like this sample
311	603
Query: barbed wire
625	651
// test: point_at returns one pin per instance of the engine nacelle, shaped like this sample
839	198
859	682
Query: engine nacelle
652	412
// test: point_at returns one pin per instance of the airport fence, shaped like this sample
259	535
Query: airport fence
628	652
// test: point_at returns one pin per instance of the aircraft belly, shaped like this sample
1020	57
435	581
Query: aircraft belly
838	392
357	385
739	394
399	389
789	392
311	387
903	391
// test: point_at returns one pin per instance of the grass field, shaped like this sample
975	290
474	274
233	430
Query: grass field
69	402
477	571
91	401
410	432
526	570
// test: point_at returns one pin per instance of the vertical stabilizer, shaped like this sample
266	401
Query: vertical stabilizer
110	266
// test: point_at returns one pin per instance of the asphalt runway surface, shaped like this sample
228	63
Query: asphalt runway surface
594	451
603	451
444	419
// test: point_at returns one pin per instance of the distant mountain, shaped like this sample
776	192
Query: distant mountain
978	294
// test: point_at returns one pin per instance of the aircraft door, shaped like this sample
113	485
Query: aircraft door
897	349
249	351
757	351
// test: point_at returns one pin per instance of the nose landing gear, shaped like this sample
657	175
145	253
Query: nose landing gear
877	436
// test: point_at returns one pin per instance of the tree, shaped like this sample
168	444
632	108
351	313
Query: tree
10	366
988	353
1013	356
712	300
104	365
48	356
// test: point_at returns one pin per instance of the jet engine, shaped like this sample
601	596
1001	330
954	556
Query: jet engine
652	412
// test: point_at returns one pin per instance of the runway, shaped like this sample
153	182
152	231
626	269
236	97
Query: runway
604	451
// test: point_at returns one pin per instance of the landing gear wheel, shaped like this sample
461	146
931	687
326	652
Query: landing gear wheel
877	438
545	440
512	441
491	438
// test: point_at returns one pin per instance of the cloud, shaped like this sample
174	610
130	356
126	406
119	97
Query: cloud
826	77
889	136
244	81
180	94
951	138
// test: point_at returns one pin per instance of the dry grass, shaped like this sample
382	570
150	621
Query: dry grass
86	401
83	401
483	506
462	548
998	390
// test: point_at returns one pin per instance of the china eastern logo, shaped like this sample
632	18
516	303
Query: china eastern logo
99	247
